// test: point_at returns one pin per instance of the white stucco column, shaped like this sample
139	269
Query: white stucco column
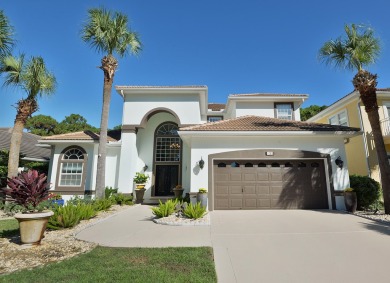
128	160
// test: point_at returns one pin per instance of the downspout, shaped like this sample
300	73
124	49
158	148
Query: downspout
364	139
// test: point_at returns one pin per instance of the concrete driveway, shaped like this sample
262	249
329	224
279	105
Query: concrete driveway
266	246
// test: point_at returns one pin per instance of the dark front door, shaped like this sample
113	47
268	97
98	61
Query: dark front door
167	177
167	159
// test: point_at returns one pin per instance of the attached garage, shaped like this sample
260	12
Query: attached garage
270	184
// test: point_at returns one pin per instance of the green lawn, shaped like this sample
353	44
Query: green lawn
126	265
9	227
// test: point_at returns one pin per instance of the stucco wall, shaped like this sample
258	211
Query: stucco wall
261	108
186	106
112	166
334	146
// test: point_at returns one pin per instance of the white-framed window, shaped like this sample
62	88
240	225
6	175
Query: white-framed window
340	118
214	118
72	166
284	111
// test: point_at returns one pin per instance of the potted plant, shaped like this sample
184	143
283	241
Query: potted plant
140	179
202	197
57	199
350	200
29	189
178	190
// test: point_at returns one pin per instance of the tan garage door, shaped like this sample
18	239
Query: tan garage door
270	184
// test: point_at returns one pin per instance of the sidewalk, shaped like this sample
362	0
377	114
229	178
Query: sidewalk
134	228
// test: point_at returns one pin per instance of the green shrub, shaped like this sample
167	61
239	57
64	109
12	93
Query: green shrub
165	209
77	199
194	211
70	215
66	216
122	199
102	204
367	191
109	191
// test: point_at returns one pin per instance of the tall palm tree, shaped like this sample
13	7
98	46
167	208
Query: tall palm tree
6	35
33	77
108	33
357	49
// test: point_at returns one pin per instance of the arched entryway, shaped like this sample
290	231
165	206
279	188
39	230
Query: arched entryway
167	159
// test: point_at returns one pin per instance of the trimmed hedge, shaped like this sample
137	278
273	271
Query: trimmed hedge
368	191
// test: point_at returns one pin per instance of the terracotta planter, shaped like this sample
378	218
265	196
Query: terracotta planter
350	201
32	226
178	192
139	194
202	198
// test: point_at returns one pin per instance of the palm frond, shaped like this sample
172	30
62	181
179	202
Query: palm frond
109	33
12	68
6	35
357	49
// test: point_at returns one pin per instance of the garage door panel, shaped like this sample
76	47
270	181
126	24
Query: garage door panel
271	184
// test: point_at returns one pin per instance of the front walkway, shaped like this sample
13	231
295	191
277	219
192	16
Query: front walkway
134	228
265	246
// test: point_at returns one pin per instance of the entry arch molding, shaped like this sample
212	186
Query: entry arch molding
270	154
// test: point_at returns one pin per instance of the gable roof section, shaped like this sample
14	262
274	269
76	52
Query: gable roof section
28	146
112	136
216	106
259	123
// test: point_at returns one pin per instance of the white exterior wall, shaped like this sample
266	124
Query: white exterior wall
297	112
186	107
91	150
112	166
203	147
265	109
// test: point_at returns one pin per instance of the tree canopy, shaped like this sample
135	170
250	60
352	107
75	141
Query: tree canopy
312	110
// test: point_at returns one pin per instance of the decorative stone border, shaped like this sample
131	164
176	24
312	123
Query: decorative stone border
174	220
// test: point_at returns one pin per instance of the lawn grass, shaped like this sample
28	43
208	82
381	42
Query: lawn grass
105	264
9	227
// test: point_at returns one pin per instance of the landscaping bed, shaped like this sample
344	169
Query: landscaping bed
56	246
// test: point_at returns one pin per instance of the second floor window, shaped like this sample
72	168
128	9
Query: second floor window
339	119
284	111
214	118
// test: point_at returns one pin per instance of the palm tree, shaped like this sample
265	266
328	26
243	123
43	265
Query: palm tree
108	33
33	77
6	35
360	48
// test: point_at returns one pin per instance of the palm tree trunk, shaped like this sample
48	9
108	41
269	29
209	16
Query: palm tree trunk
366	83
109	65
24	110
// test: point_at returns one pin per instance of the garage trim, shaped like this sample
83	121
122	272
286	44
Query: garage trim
271	154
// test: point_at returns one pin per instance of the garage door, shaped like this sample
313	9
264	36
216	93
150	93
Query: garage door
270	184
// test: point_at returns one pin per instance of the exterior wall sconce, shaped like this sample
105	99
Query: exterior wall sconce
145	168
339	162
201	163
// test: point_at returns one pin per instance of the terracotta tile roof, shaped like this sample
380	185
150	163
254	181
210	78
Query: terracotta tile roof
162	86
269	94
112	136
28	146
216	106
258	123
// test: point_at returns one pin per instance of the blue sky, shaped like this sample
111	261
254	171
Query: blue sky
230	46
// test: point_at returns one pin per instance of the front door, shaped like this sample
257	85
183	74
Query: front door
167	159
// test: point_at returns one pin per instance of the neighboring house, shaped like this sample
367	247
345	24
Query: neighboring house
257	153
349	111
28	147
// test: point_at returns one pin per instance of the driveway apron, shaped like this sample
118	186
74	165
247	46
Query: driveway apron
265	245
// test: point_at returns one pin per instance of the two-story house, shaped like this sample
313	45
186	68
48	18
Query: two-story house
251	153
349	111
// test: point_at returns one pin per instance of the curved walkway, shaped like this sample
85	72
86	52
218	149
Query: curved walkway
265	246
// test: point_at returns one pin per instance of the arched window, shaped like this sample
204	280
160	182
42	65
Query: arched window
234	164
301	164
288	164
315	165
262	165
248	164
168	143
72	167
221	164
275	164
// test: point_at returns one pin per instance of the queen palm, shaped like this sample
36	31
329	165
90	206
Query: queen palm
32	77
6	35
358	49
108	33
